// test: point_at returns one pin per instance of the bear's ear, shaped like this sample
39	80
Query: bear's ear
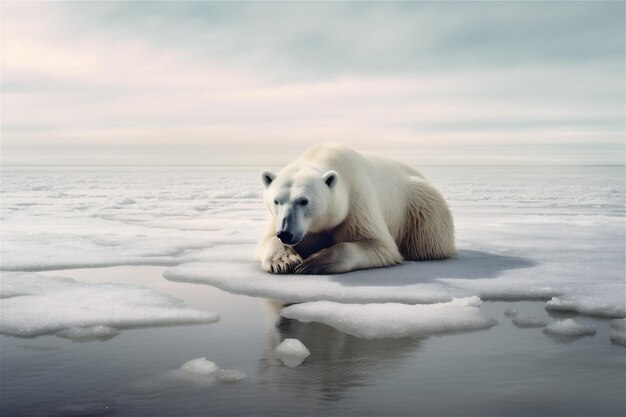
330	178
267	178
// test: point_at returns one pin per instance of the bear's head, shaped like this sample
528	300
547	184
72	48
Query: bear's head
303	200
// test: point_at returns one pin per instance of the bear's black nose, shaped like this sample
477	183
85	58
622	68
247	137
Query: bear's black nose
284	236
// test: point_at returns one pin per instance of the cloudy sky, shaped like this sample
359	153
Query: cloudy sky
218	83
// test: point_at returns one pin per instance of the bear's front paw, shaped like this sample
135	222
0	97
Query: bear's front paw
323	262
282	262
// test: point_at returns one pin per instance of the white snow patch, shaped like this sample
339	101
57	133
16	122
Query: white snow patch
292	352
374	321
591	305
34	305
200	366
571	328
206	368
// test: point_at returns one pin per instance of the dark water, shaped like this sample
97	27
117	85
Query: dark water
502	371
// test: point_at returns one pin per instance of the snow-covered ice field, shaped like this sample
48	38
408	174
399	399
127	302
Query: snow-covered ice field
114	277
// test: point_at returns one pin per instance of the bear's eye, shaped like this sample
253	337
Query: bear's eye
275	201
304	202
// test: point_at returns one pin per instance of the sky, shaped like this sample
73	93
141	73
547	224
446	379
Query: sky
431	83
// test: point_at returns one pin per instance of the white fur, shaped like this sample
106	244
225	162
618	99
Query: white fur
363	211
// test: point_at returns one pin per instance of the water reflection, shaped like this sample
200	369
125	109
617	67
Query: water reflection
338	362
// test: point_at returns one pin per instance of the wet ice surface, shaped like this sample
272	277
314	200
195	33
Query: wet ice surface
34	305
376	321
553	235
569	327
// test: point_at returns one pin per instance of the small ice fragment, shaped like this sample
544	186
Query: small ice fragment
200	366
230	376
618	324
292	352
529	321
618	337
569	327
511	312
88	334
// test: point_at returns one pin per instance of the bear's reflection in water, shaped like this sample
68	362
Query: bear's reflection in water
338	361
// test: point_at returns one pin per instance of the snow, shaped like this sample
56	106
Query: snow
511	312
204	367
34	305
292	352
376	320
591	305
200	366
547	233
571	328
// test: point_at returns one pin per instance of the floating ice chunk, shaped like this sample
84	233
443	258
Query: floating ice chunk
511	312
618	337
88	334
529	321
374	321
230	376
591	305
38	305
200	366
569	327
292	352
204	367
618	324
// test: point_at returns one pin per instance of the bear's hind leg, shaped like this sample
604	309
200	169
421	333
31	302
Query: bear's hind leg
429	232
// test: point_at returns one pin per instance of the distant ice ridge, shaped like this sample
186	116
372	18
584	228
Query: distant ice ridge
204	367
570	328
374	321
34	305
292	352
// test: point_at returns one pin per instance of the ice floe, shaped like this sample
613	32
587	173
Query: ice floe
292	352
380	320
33	305
618	337
591	305
206	368
521	320
569	327
200	366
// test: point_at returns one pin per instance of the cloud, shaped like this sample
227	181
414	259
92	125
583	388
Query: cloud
140	78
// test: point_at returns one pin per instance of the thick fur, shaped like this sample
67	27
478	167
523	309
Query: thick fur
375	213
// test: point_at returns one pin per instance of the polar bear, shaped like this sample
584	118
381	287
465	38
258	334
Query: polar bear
336	210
